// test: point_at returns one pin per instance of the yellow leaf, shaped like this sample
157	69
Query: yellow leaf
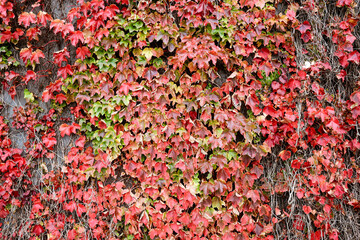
148	53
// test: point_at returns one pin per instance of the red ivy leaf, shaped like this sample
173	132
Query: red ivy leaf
60	98
102	125
264	53
304	27
75	37
61	56
93	222
334	124
46	96
80	142
149	73
306	209
327	208
73	13
49	141
25	54
71	206
354	57
57	25
72	234
207	188
80	209
35	56
64	71
124	88
300	193
43	17
127	198
12	92
83	52
30	75
306	36
66	129
254	195
355	97
32	33
285	155
341	75
38	229
26	18
342	3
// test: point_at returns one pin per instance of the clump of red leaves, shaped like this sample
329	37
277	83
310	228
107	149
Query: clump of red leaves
195	121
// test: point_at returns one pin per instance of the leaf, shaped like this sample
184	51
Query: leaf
304	27
254	195
307	209
260	3
93	222
35	56
223	174
327	208
148	53
252	101
80	209
38	229
354	57
60	98
12	92
341	3
285	155
306	36
26	18
29	96
258	229
32	33
266	67
80	142
57	25
76	37
46	96
64	71
66	129
264	53
149	73
73	13
291	14
299	223
355	97
81	98
43	17
335	125
25	54
83	52
49	141
61	56
71	206
127	198
207	188
125	88
213	22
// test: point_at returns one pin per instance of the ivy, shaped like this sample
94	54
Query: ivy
180	120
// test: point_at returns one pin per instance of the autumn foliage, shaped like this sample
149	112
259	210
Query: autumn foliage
187	119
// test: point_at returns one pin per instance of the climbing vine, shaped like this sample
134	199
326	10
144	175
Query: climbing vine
180	120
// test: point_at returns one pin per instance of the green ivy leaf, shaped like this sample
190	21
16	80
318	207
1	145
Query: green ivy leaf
29	96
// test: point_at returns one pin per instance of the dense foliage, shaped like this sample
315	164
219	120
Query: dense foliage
184	119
